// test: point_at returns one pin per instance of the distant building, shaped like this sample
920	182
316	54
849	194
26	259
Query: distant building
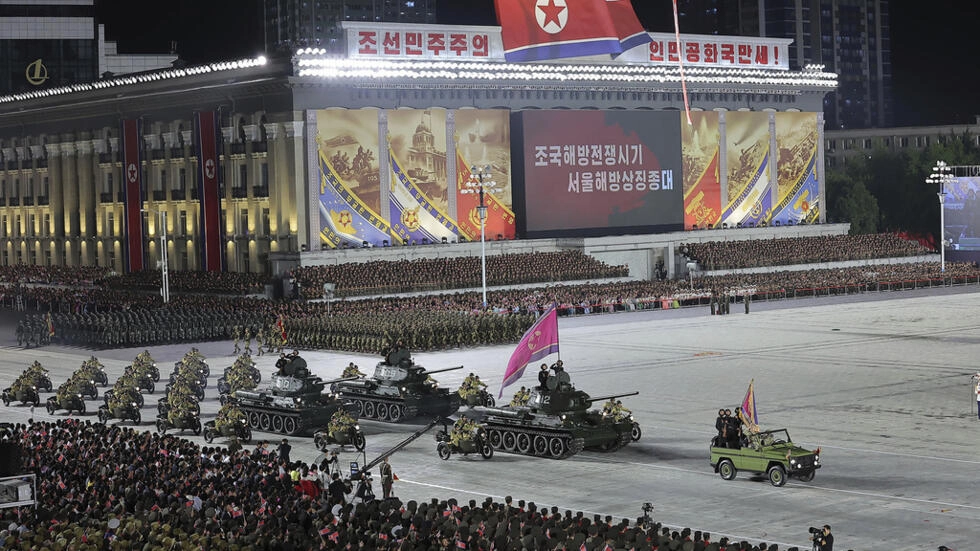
292	24
52	43
843	145
849	37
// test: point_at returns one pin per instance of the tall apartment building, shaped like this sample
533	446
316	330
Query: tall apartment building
848	37
291	24
52	43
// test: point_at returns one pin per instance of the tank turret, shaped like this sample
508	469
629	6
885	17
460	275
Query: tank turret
558	421
295	401
399	389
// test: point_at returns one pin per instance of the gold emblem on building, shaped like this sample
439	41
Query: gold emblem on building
36	72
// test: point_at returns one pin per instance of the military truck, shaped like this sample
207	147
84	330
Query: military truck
769	452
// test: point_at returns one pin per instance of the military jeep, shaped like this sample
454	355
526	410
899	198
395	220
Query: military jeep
769	452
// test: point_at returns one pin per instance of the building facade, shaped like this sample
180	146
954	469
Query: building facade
849	37
63	181
843	145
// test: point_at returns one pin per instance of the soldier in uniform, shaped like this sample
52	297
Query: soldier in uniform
236	333
521	397
543	378
352	371
228	416
387	478
260	340
340	422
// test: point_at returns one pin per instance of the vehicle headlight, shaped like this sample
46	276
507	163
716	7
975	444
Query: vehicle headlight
357	427
79	395
792	462
133	404
403	389
816	459
564	417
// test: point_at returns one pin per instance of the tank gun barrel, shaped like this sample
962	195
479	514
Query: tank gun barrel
430	372
341	380
611	396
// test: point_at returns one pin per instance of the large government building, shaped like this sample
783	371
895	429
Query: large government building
232	165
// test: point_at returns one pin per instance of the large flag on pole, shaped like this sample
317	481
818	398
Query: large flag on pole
132	160
539	341
628	28
749	415
537	30
207	130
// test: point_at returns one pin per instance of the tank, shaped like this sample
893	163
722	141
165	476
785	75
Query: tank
294	403
400	389
557	422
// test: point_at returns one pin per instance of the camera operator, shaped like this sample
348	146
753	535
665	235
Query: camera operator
822	539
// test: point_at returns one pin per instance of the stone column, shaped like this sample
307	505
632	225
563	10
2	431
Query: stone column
66	213
87	195
294	212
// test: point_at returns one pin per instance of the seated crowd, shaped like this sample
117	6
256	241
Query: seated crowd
153	492
723	255
424	274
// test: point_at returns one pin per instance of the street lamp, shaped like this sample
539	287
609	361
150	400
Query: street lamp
164	257
942	174
481	182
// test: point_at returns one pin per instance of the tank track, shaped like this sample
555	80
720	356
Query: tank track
380	409
538	443
624	438
267	419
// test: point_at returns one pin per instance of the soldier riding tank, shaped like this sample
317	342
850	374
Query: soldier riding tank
400	389
294	404
557	423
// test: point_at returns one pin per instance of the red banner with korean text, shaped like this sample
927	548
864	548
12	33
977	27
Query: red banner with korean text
207	138
700	148
132	157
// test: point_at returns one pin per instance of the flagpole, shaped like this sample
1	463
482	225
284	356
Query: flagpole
554	305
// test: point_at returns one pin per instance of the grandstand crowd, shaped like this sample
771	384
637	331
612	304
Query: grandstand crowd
162	493
127	315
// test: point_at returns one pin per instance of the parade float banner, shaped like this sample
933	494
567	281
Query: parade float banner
701	152
132	161
483	140
207	138
418	138
797	185
600	172
749	193
415	218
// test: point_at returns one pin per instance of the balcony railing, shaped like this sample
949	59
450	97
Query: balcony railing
105	197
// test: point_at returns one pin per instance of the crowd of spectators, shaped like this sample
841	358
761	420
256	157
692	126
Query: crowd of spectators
160	492
52	275
752	253
224	283
426	274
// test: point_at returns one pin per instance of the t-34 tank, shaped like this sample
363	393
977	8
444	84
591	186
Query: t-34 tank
556	422
399	390
294	403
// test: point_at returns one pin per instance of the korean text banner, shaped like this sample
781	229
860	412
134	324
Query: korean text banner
749	193
798	189
702	182
483	140
601	172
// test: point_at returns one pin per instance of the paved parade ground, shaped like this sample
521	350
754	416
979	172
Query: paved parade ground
881	382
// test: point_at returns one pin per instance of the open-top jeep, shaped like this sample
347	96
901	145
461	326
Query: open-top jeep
769	452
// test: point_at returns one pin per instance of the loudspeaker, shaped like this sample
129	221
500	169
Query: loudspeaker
9	459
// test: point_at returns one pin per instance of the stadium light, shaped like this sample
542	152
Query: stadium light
482	183
942	174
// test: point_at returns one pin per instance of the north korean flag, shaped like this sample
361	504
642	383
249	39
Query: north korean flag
537	30
628	28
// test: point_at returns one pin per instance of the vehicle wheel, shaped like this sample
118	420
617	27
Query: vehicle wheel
208	435
635	433
138	418
443	450
489	402
151	388
277	423
382	410
777	475
139	400
395	413
727	469
808	476
486	451
81	409
197	427
94	395
540	445
155	375
253	419
257	377
358	441
368	409
37	400
50	408
107	396
289	425
161	427
200	395
509	441
523	442
246	435
103	415
265	421
494	437
6	401
556	446
223	387
320	441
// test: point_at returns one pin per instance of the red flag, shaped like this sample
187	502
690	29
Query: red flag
749	415
539	341
132	160
628	28
282	327
207	130
536	30
324	531
50	325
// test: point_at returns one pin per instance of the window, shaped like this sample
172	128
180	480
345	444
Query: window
17	227
181	229
3	188
30	186
243	222
32	225
161	184
867	143
3	226
107	183
110	224
266	223
46	230
181	183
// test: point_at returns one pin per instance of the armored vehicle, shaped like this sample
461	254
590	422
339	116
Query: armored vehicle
352	436
123	412
476	442
557	423
188	421
295	402
26	394
399	390
242	432
769	452
70	401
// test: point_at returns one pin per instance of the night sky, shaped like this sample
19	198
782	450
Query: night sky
934	51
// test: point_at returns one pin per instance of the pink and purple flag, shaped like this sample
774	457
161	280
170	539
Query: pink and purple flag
539	341
748	405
